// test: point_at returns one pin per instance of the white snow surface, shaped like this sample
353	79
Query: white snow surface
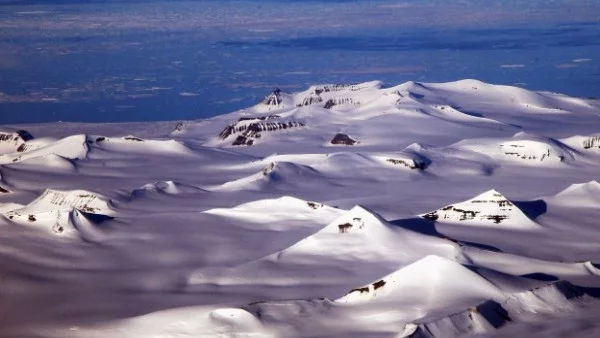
441	210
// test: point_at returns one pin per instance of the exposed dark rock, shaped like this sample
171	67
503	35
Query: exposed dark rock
100	139
343	139
416	164
432	216
311	99
57	228
339	87
592	142
266	170
274	99
3	191
259	118
86	208
31	218
133	138
253	127
21	134
179	126
344	227
524	155
329	104
496	218
378	284
465	214
361	290
315	205
225	133
242	141
6	137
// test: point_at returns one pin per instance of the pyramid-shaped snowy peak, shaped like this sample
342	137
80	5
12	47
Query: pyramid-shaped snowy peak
488	209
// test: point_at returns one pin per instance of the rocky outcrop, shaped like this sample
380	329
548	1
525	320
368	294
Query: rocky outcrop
343	139
532	151
274	99
592	142
310	100
409	163
14	141
252	128
339	88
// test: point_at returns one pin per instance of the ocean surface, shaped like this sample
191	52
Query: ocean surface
111	61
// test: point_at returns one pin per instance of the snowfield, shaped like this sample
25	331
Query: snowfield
363	210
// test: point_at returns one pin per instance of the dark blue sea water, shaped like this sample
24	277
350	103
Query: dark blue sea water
158	60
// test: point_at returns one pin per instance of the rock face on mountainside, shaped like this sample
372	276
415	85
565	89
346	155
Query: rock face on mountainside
408	163
592	142
247	129
488	209
531	151
274	99
343	139
14	141
316	93
311	99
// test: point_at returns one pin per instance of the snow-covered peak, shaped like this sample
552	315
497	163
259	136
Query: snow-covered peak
13	141
72	147
362	235
359	220
166	187
490	208
274	173
289	203
51	200
580	195
436	281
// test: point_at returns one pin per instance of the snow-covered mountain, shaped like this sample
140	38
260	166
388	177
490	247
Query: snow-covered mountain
344	210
